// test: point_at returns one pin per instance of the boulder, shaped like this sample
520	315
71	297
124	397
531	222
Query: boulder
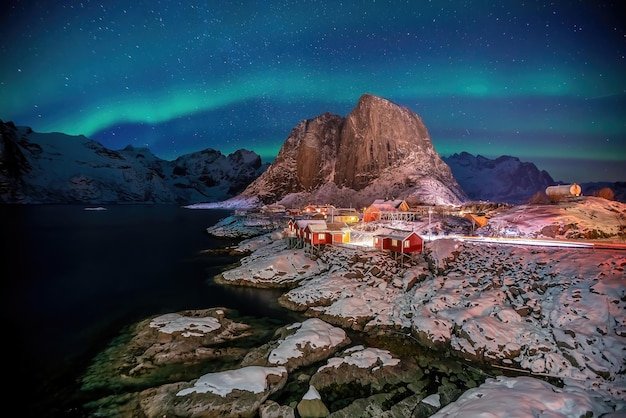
271	409
299	345
360	372
233	393
311	405
152	352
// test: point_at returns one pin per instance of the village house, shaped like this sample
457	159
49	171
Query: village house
381	209
317	209
401	244
314	237
309	209
313	234
293	211
338	232
347	215
295	231
273	208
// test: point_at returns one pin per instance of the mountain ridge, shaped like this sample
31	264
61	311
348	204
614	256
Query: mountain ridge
505	178
58	168
379	150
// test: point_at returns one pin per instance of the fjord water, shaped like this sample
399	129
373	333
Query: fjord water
73	278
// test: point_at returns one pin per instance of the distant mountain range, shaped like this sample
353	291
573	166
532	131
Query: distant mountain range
380	150
58	168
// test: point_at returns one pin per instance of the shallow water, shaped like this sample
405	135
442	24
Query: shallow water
72	279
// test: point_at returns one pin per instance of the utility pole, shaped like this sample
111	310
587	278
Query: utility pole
430	231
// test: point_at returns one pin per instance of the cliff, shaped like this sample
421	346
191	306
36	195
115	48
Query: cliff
379	150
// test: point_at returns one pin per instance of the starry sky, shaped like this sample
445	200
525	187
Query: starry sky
544	81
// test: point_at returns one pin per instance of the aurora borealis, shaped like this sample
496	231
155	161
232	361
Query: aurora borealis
543	81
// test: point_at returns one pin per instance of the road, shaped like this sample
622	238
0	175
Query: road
544	242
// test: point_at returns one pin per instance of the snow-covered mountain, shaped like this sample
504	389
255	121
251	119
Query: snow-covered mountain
380	150
58	168
505	179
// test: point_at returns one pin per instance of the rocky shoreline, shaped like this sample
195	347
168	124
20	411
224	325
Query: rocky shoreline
379	338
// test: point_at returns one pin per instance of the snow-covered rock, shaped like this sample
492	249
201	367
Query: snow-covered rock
158	347
300	344
269	267
311	405
524	397
237	392
550	311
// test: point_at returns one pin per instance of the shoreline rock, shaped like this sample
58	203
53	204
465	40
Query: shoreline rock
527	313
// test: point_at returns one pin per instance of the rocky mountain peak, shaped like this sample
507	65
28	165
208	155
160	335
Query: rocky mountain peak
380	149
377	135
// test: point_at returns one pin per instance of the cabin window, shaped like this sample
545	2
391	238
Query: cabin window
321	237
407	244
376	241
394	242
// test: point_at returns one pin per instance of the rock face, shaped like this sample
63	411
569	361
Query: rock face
379	150
58	168
377	135
505	179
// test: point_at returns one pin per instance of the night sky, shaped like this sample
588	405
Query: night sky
543	81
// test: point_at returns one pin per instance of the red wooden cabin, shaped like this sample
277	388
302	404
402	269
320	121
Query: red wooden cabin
400	243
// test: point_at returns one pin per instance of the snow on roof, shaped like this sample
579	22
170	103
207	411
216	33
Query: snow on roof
522	397
337	226
302	223
346	211
399	235
317	227
252	379
189	326
387	205
363	358
313	332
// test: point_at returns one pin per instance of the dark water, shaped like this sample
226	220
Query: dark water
72	279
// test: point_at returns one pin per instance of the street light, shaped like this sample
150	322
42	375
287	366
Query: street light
430	212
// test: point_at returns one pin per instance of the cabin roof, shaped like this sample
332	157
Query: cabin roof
387	205
317	227
346	211
337	226
400	236
302	223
